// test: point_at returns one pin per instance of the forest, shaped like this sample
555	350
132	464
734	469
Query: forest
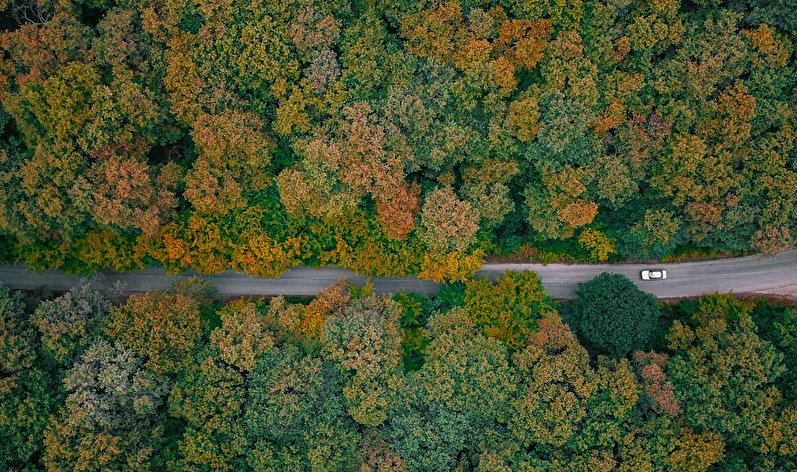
395	137
391	136
483	377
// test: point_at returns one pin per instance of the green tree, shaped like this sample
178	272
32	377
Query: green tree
234	154
448	224
211	395
297	414
486	191
560	202
612	316
52	199
556	385
18	339
127	41
26	393
510	309
210	398
661	442
785	338
465	370
723	372
24	413
430	438
364	340
163	328
71	322
654	236
110	418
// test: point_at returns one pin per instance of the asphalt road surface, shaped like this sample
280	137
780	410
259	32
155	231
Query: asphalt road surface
776	274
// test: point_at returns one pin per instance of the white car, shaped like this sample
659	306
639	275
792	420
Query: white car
653	274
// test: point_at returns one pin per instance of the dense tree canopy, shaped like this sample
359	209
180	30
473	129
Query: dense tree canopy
26	390
179	381
731	372
393	137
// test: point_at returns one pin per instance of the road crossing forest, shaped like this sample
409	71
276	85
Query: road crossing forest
423	144
740	275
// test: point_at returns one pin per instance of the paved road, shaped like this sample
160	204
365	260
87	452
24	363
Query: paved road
746	274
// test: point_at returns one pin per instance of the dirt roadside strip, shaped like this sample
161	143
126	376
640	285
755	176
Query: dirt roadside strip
772	275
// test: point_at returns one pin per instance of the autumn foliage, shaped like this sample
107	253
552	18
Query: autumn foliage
133	135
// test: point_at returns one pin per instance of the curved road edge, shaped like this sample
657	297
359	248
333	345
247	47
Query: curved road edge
774	275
